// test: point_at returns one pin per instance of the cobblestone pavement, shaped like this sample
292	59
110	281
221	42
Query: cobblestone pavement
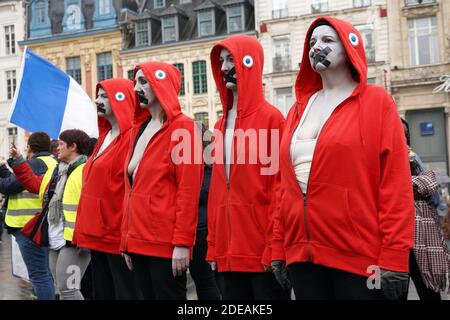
11	288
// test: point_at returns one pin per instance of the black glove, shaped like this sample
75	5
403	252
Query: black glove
394	284
280	272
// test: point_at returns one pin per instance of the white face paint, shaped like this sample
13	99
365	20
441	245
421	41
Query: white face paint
102	102
322	37
227	62
144	90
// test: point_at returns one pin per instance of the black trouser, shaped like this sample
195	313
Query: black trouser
315	282
111	278
86	284
251	286
155	278
201	272
423	291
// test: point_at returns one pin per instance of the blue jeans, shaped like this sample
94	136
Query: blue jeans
36	260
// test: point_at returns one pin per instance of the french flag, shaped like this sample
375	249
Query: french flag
49	100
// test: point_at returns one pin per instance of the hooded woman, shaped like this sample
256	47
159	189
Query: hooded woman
101	204
243	185
346	206
164	171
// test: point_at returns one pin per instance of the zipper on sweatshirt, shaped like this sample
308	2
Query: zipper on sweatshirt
229	223
308	235
129	196
128	220
134	179
228	179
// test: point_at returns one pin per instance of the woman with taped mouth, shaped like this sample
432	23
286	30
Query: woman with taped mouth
101	204
345	223
164	172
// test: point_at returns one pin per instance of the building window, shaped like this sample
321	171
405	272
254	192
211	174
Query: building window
104	66
199	77
319	6
423	41
74	68
283	99
130	74
104	7
169	25
202	117
279	9
416	2
10	40
159	4
366	32
12	135
10	84
40	12
142	34
234	19
282	57
372	80
185	1
180	67
361	3
205	23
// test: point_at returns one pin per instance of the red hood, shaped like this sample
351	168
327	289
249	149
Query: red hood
165	80
122	99
309	81
249	75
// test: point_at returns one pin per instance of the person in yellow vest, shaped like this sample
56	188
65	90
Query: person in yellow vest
60	191
22	205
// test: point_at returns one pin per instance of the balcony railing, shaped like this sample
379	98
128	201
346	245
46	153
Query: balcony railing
281	63
418	2
279	13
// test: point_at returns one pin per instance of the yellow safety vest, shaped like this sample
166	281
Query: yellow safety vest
71	197
23	206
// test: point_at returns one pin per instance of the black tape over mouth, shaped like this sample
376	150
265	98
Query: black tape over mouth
101	108
321	57
228	77
142	98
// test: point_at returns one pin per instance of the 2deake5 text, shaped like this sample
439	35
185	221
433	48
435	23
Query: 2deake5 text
226	309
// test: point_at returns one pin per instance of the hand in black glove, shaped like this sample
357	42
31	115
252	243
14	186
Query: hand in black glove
280	272
394	284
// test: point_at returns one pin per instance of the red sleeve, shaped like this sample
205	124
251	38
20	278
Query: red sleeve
395	201
27	178
189	175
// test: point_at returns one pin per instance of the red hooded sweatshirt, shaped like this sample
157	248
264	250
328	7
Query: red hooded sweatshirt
100	209
161	204
239	213
359	208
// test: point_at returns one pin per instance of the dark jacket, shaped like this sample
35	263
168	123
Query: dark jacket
8	181
9	184
203	203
